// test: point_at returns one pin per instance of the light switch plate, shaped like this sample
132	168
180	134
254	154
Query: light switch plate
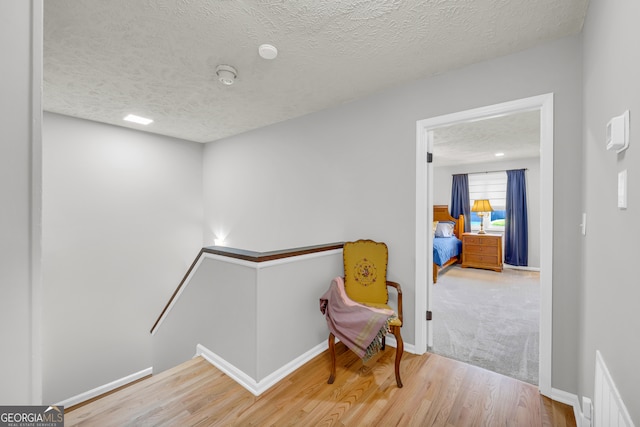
622	189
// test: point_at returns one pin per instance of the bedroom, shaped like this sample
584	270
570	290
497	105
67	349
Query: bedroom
503	303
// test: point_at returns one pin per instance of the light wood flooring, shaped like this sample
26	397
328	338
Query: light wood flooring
437	392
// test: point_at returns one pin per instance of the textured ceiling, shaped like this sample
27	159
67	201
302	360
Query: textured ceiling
157	58
517	136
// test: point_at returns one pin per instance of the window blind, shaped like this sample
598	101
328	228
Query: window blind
491	186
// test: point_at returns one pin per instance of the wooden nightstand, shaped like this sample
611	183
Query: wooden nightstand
482	251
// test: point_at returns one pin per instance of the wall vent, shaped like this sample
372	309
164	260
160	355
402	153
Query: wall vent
608	410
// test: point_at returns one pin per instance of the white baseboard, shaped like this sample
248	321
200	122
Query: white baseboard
104	388
571	400
255	387
391	341
258	387
515	267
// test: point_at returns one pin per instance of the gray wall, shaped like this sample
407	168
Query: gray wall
442	193
610	294
216	309
16	146
122	222
257	317
349	172
289	318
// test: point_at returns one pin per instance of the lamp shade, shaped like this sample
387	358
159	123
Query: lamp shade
481	205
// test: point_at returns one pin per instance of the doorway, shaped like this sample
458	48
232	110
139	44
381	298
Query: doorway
424	211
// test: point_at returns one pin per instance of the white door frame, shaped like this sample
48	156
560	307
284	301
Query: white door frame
424	212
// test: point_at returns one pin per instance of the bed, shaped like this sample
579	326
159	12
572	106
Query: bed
446	250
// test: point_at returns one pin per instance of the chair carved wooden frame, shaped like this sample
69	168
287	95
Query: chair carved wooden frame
394	326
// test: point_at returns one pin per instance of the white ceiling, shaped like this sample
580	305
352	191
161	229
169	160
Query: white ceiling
517	136
157	58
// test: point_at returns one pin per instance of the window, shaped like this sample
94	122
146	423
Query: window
491	186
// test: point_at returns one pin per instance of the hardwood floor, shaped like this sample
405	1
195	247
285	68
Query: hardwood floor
437	392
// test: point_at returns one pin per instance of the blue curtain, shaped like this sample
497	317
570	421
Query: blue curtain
460	203
516	247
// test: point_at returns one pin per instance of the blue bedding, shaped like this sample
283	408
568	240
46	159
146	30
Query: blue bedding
445	248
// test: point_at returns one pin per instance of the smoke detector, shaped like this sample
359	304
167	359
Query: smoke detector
226	74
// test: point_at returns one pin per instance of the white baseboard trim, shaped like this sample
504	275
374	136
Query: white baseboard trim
571	400
104	388
408	348
515	267
258	387
255	387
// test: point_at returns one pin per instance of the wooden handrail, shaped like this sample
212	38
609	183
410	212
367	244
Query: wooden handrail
246	255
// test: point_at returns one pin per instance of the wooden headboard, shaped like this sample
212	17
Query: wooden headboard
441	213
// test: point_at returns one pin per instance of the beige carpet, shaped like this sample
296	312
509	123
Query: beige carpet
489	319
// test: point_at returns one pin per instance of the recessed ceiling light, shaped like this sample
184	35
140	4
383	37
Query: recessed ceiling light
267	51
138	119
499	154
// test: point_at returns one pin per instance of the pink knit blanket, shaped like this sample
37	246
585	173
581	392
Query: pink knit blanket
360	327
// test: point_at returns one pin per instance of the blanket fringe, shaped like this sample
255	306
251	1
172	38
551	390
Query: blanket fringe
376	344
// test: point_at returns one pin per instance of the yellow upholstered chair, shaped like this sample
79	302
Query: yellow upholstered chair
365	281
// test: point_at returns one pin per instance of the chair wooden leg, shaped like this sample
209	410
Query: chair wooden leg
332	352
399	351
